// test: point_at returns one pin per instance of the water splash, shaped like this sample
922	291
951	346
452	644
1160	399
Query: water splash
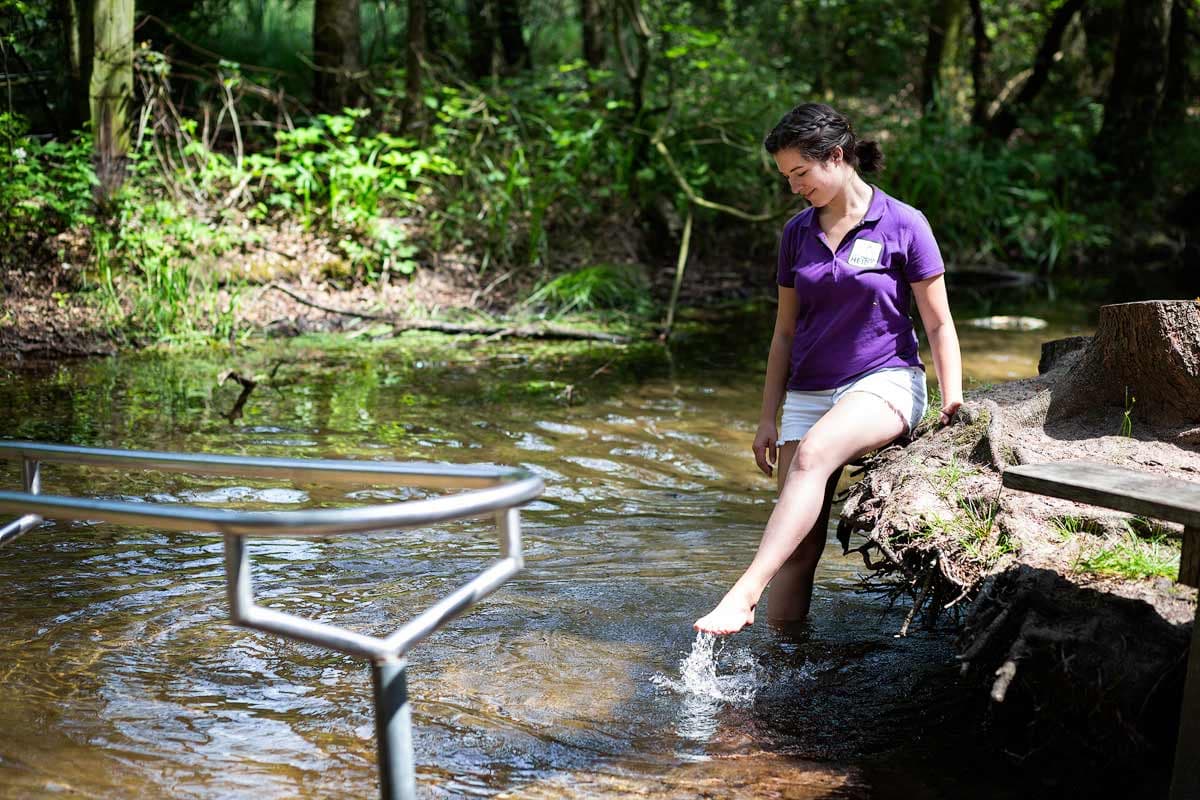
705	690
700	672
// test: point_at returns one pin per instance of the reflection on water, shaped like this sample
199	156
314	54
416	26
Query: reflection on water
580	678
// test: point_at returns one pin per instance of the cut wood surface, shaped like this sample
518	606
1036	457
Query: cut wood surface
1112	487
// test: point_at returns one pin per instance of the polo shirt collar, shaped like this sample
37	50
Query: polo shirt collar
874	210
878	202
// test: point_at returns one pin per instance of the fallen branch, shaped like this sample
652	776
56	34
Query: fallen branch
477	329
247	385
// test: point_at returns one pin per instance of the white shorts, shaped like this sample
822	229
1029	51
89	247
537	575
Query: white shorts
902	388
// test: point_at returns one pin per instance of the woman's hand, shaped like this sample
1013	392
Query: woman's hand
949	409
766	447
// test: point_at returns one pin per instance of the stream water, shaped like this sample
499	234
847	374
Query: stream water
580	678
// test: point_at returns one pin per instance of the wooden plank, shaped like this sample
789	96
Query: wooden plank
1189	562
1185	780
1112	487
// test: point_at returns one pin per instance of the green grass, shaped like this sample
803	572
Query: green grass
1147	528
621	287
971	528
934	409
975	520
951	474
1067	526
1134	558
1127	419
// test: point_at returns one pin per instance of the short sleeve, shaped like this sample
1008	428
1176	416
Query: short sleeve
924	258
787	258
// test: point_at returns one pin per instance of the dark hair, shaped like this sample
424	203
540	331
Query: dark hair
815	129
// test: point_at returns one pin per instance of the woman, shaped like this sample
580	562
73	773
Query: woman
843	361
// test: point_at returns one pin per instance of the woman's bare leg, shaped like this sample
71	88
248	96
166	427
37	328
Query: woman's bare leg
858	424
792	587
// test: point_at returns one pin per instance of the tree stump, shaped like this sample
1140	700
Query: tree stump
1151	350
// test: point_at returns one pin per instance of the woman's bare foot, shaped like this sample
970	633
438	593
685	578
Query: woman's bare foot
730	616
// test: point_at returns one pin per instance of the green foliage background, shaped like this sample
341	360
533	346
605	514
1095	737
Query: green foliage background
530	171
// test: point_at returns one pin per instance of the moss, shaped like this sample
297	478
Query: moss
969	435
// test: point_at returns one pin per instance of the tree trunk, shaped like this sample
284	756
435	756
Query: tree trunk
256	14
512	37
435	31
1139	76
481	19
414	64
1149	349
1101	23
1175	91
636	67
592	24
982	45
78	42
337	44
941	51
1005	120
111	92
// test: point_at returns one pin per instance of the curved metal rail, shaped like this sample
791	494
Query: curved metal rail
493	490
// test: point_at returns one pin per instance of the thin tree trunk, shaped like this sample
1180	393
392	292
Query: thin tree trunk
337	53
941	50
1006	117
591	22
637	67
256	13
436	31
481	19
1139	76
512	37
414	64
1175	91
982	46
1101	23
111	92
78	43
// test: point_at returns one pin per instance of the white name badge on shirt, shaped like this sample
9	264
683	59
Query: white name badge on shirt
865	253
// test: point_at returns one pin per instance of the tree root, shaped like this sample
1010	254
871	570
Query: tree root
1067	658
929	578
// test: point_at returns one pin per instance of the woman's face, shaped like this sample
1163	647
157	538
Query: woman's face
818	181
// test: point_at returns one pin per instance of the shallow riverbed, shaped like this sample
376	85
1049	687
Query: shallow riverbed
124	679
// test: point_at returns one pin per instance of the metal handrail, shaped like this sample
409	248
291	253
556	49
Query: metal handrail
497	490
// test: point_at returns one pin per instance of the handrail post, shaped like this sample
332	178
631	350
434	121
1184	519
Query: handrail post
393	729
31	472
31	475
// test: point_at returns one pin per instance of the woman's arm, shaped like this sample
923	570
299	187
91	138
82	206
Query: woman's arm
934	308
766	452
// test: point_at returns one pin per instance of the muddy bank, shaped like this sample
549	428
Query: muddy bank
43	317
293	282
1071	620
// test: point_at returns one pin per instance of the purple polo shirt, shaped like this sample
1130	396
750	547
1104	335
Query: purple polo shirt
853	305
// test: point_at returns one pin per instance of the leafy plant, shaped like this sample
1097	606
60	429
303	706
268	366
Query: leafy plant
621	287
45	189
